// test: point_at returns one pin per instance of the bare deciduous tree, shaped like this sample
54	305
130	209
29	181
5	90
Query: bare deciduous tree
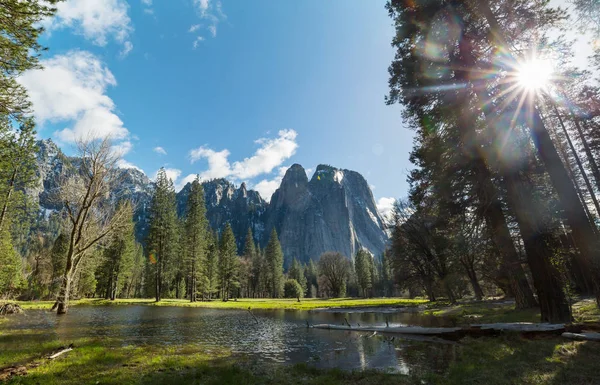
89	216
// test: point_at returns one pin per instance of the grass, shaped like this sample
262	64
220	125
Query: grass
245	303
105	361
508	359
515	360
584	310
485	361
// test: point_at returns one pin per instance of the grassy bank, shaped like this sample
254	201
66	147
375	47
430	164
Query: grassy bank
244	303
489	361
584	310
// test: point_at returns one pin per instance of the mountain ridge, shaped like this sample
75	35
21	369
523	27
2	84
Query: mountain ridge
333	211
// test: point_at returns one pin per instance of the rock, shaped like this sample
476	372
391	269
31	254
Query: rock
334	211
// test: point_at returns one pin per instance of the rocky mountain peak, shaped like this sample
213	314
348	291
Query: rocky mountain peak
334	211
293	186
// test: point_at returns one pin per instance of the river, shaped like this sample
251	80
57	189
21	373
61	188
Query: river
271	335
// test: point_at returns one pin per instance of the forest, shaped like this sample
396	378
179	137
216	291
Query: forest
502	200
501	218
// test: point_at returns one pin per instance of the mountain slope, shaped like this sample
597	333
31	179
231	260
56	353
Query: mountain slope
334	211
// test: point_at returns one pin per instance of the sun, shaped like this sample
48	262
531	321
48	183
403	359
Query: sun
534	74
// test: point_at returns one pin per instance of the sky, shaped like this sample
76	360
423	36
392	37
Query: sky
229	88
237	89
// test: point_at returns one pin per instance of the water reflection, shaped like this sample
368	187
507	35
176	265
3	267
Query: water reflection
275	336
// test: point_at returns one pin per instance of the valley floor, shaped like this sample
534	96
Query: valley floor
508	359
243	303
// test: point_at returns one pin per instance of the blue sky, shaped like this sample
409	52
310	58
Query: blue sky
234	88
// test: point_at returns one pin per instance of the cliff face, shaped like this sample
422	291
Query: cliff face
225	203
334	211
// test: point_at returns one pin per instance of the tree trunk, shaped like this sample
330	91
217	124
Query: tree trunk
571	172
9	191
583	234
579	164
546	278
63	296
588	151
486	192
474	281
496	221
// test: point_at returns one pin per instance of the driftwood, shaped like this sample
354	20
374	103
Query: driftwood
60	352
582	336
21	370
456	332
10	308
252	314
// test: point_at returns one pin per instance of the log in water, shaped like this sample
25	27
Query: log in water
476	330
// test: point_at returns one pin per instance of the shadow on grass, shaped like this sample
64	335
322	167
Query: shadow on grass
514	360
94	363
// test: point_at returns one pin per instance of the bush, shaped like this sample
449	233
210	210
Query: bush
292	289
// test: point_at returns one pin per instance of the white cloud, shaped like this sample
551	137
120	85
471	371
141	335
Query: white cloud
147	3
210	11
122	163
385	206
160	150
149	11
218	165
197	41
96	20
202	6
122	148
266	187
72	89
181	184
271	154
213	30
127	47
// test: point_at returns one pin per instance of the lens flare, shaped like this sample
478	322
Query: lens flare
534	74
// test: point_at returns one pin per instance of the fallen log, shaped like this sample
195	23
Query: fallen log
398	330
457	332
582	336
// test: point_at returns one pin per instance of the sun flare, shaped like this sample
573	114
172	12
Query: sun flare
534	74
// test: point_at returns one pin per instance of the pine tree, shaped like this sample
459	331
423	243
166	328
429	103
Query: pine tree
210	269
387	275
10	266
274	264
117	261
196	233
17	169
250	271
162	234
363	266
312	279
228	263
296	272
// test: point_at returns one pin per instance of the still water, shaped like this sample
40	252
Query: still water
274	336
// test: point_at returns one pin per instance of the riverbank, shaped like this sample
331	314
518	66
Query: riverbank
243	303
501	311
506	359
489	361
